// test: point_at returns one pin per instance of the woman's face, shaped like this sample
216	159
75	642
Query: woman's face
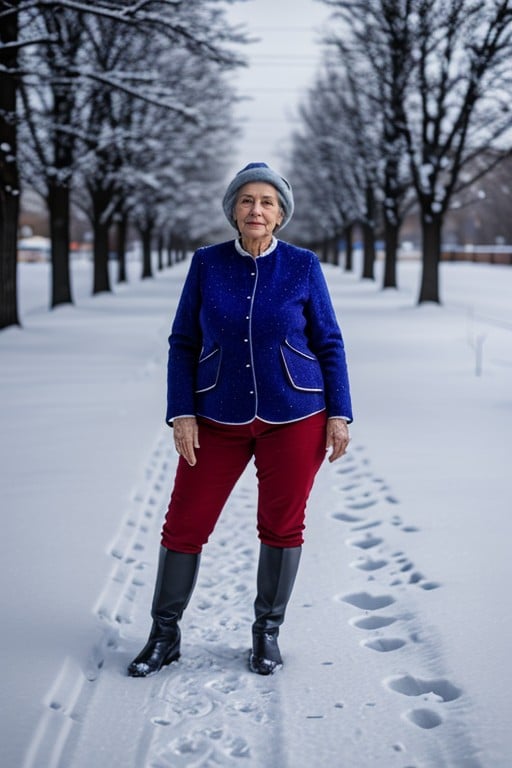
257	210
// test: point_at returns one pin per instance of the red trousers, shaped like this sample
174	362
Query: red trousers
287	458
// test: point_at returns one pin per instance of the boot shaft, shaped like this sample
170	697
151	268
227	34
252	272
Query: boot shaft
277	569
175	582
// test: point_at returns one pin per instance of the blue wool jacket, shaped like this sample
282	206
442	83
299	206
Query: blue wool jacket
256	337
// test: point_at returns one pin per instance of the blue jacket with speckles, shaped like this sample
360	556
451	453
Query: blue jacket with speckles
256	337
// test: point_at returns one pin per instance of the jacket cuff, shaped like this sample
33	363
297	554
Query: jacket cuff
180	416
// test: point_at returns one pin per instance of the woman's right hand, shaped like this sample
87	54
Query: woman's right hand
186	437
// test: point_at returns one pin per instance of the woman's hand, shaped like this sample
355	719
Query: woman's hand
186	437
337	438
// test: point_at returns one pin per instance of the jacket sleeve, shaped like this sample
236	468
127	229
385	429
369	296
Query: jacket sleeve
185	346
326	342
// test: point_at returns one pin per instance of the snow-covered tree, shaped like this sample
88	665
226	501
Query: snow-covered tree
50	96
54	32
336	147
450	63
189	157
376	58
457	109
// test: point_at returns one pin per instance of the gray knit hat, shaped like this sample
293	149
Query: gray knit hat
259	172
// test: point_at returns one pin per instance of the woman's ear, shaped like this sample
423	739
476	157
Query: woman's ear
281	217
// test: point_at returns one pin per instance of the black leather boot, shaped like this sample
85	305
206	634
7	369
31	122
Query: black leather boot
176	578
277	569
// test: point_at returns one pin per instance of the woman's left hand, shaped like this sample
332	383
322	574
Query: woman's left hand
186	438
337	438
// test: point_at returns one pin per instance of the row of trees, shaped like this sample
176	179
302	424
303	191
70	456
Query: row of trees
111	106
412	106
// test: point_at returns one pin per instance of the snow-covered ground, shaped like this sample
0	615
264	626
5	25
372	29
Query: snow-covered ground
397	639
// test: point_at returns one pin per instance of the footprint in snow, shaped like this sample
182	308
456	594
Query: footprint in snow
428	585
345	469
368	542
424	718
345	518
384	644
368	602
364	504
367	526
369	565
417	686
372	622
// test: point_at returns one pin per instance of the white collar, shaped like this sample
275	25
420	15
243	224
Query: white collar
241	250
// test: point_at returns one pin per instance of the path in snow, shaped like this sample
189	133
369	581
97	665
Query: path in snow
370	691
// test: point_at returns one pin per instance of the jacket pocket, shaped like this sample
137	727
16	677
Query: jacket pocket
302	369
208	369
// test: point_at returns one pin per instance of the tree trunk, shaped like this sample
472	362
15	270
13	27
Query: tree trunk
349	249
368	227
368	251
101	226
391	232
169	250
9	214
101	278
9	178
334	248
145	233
58	209
431	231
101	282
58	196
160	251
121	228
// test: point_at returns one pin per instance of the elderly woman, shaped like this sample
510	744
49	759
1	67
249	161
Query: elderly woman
257	370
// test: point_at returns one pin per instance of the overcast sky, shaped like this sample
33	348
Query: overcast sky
282	66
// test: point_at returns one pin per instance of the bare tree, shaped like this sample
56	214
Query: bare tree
144	147
458	107
359	95
378	63
446	83
373	51
199	27
328	193
49	94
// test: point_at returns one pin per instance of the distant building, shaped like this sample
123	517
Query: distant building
35	248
